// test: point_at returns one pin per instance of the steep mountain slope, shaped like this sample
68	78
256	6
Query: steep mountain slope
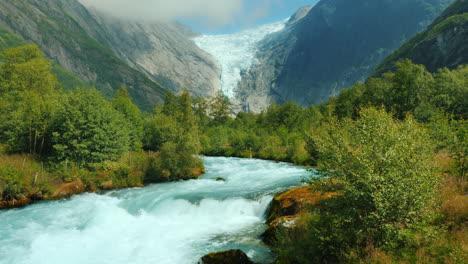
336	44
163	51
443	44
67	79
49	25
108	53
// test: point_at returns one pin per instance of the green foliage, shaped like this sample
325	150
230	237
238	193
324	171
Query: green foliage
383	170
29	99
411	89
9	40
452	136
88	129
173	131
278	133
122	102
10	186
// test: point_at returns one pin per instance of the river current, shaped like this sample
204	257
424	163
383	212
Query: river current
173	223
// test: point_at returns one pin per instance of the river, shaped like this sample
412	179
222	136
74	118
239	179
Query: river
173	223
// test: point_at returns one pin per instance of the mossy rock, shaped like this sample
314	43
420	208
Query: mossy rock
287	207
66	190
294	201
233	256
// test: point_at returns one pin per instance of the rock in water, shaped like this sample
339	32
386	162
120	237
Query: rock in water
233	256
287	207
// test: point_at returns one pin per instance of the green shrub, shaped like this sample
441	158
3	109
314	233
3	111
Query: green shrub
10	185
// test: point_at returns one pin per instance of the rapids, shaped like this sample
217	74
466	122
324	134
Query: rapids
169	223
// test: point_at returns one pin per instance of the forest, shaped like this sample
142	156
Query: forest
392	150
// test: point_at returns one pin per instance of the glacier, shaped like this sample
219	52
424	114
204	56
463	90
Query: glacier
236	52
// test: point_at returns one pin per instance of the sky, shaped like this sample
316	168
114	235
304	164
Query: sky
205	16
268	12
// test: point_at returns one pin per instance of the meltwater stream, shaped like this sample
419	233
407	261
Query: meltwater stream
163	223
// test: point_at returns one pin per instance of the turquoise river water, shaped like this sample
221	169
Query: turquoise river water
170	223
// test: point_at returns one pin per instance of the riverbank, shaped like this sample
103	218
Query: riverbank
25	180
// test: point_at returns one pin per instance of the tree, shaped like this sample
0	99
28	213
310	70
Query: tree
122	102
383	171
220	109
450	90
160	129
410	87
29	98
89	130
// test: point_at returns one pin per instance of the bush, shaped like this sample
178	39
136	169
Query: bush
88	130
384	170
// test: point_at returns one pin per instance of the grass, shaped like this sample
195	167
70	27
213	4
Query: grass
22	175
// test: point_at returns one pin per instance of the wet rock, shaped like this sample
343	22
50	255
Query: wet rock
66	190
15	203
220	179
287	207
269	235
233	256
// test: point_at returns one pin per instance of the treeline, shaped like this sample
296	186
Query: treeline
51	136
283	132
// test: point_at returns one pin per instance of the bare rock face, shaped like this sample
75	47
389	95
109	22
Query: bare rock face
149	59
234	256
163	51
330	47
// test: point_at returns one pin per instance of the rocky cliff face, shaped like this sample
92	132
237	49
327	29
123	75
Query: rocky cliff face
108	53
163	51
336	44
443	44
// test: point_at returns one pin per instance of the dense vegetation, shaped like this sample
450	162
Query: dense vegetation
395	152
393	148
51	136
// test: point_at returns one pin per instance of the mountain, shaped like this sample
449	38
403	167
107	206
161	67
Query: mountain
443	44
150	59
337	43
165	52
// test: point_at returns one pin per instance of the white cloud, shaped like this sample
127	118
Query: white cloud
214	13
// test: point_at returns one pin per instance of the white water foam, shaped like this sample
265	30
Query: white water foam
236	52
173	223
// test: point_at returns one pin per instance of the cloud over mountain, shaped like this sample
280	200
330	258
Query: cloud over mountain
211	12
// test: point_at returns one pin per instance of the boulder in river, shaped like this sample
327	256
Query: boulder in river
287	207
233	256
